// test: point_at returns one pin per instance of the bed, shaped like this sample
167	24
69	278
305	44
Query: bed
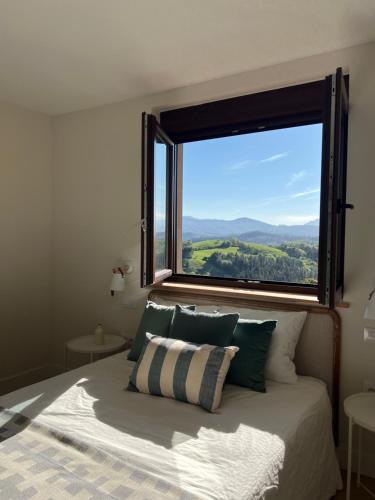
81	435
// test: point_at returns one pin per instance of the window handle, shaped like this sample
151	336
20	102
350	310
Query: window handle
348	206
344	206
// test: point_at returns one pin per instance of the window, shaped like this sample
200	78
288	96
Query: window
251	206
249	191
157	211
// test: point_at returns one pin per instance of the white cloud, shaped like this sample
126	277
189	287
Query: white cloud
295	178
310	198
246	163
240	165
275	157
311	193
305	193
296	219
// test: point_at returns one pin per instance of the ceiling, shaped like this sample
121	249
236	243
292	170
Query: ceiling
58	56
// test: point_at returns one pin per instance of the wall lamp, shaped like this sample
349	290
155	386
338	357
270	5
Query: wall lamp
369	333
118	277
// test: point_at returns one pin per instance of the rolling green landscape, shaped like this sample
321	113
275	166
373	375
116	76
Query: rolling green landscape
295	261
247	249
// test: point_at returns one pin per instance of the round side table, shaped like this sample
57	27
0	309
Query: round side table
86	345
360	408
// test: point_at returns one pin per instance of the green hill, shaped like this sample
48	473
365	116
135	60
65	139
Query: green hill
292	262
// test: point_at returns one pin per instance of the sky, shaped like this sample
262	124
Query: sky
272	176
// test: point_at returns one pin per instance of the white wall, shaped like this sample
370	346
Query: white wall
25	249
97	162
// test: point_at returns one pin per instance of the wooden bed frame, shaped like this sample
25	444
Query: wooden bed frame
330	335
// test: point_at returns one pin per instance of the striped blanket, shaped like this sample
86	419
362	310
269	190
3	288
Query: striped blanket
39	463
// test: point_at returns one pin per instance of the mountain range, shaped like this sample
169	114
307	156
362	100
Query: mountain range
247	229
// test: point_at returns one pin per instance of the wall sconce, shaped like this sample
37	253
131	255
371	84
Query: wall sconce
118	277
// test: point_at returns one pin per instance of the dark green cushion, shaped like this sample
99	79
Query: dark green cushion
203	328
156	319
254	339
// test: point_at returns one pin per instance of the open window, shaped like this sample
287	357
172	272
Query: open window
333	189
250	191
157	202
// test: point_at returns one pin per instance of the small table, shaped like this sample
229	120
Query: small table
360	408
86	345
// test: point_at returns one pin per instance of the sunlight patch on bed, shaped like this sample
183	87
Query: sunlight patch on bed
18	408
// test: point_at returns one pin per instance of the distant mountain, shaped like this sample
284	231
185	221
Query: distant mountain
198	229
271	239
314	222
219	227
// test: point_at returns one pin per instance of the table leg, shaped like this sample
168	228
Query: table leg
359	456
349	470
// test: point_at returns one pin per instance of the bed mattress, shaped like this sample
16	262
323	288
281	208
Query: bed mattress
93	439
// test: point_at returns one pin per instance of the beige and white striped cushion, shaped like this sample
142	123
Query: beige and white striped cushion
182	370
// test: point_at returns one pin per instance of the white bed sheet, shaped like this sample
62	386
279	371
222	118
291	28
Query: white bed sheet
273	445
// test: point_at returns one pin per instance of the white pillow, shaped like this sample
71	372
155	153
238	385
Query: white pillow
280	366
209	308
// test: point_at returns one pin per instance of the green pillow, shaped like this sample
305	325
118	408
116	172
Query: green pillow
203	328
254	339
156	319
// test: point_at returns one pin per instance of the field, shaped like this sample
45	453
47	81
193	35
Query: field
199	255
292	262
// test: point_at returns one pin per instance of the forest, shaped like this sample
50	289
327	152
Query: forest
293	262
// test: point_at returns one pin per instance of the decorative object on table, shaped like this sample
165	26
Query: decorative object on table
118	277
99	334
369	333
360	408
87	345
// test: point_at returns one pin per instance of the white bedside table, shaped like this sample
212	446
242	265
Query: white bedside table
86	345
360	408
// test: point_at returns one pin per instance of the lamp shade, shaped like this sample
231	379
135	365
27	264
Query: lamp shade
117	283
370	307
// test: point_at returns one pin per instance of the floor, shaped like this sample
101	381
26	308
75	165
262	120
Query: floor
357	493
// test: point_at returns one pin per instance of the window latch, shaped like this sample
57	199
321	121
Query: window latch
344	206
349	206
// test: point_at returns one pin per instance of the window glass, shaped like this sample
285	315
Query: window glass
251	206
160	205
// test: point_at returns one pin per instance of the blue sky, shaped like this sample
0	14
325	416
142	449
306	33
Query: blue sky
271	176
160	183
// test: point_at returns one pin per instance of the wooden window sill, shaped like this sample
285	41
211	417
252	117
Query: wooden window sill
254	295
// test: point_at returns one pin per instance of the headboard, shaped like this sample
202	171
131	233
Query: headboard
318	350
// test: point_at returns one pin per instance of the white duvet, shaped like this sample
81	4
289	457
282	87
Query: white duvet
273	445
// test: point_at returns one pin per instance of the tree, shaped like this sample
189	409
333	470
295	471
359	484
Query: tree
226	244
187	249
259	267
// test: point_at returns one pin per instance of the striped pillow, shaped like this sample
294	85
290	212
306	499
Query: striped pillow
182	370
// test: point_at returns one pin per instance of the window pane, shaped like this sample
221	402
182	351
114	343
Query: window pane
251	205
160	205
